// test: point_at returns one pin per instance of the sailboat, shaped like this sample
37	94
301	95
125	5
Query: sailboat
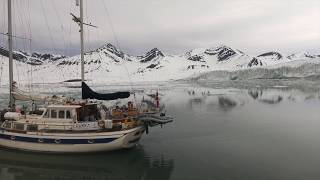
75	126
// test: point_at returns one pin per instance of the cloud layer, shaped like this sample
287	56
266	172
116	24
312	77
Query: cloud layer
173	26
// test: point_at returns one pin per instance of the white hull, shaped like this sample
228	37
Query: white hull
122	140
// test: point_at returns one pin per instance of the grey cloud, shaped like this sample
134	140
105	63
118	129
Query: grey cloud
173	26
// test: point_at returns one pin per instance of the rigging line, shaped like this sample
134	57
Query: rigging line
117	42
30	44
28	31
89	45
4	23
20	16
62	26
48	27
1	70
14	60
18	37
69	36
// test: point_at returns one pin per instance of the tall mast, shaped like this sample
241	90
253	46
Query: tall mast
11	103
81	38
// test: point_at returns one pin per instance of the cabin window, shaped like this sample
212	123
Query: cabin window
18	126
46	115
32	127
61	114
7	125
68	114
53	113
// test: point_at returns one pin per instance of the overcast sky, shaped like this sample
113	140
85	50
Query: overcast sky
174	26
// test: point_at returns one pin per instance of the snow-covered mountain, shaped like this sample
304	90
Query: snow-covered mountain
32	59
108	64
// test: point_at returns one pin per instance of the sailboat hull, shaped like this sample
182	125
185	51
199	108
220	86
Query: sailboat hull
77	143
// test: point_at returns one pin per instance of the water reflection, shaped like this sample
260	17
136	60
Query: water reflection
132	164
226	103
255	93
229	99
219	132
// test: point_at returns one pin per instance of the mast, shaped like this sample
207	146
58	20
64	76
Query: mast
11	102
82	43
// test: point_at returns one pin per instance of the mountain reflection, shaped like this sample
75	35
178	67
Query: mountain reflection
272	100
254	93
226	103
228	99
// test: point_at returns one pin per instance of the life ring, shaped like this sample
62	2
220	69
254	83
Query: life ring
57	141
101	124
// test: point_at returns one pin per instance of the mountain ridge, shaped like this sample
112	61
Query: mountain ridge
109	64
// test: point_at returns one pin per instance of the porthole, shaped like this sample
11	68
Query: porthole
40	140
90	141
12	137
58	141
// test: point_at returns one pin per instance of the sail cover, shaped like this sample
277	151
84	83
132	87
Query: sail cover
88	93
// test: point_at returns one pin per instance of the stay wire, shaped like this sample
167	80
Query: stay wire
30	44
48	27
118	45
64	39
61	26
49	30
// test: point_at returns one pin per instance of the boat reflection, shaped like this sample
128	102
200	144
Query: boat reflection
132	164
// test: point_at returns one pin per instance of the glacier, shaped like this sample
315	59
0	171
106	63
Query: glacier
109	65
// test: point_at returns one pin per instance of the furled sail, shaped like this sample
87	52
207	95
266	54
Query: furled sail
88	93
21	95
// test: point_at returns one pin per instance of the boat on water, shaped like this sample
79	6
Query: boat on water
66	125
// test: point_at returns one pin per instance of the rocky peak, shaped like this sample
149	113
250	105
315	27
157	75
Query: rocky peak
151	55
271	55
222	52
302	55
254	62
112	49
33	59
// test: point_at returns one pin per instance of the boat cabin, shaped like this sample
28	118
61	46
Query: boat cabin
56	117
74	113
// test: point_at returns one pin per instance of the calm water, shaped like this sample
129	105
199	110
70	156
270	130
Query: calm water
221	131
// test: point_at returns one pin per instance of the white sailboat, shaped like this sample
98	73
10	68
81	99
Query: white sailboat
69	126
